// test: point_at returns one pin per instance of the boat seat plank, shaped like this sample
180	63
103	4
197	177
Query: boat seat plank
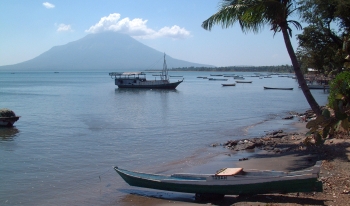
229	171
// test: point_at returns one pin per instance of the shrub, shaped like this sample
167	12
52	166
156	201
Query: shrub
327	124
339	90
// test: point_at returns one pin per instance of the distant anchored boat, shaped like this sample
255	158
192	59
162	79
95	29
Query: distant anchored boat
225	85
215	79
279	88
237	77
138	80
244	81
229	181
7	117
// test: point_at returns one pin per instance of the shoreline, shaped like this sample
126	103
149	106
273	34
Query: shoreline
276	150
335	156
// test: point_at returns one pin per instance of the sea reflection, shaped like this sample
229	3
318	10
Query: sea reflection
8	133
137	196
143	91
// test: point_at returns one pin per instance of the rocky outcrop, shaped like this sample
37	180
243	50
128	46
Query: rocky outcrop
276	141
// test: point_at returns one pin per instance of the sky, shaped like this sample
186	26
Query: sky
30	28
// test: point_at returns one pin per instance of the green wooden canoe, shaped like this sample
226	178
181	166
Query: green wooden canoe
226	183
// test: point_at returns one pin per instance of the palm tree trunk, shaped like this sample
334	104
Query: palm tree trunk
301	80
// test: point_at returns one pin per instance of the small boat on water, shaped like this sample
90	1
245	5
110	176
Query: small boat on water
175	76
229	181
237	77
138	80
224	85
279	88
7	117
214	79
243	81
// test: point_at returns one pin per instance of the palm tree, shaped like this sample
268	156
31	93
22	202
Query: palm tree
252	15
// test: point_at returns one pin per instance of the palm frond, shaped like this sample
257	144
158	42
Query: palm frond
253	15
296	24
226	16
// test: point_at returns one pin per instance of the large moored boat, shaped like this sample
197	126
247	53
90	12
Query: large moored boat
138	80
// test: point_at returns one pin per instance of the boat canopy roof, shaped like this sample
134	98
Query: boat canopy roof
133	73
126	73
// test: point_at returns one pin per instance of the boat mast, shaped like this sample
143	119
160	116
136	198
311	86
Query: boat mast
164	71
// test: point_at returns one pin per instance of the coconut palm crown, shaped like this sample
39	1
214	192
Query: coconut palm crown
253	15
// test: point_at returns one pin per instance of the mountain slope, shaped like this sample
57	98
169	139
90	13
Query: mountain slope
103	51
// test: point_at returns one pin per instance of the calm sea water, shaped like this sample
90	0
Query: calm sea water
75	126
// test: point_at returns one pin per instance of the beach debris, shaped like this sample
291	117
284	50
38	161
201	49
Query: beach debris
345	192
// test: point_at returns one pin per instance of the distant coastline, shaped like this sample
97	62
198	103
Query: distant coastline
272	69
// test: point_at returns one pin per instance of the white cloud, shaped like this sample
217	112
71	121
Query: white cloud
64	27
48	5
174	32
136	28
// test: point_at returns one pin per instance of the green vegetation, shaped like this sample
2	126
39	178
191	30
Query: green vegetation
340	90
324	44
329	125
272	69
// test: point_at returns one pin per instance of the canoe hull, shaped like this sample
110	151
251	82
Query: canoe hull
201	185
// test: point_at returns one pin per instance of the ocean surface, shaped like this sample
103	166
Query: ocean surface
76	126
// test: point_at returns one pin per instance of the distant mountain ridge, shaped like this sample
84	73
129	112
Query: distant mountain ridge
102	51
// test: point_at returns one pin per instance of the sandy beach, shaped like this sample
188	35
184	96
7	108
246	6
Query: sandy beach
334	174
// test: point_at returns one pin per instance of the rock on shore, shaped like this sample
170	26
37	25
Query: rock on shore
276	141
